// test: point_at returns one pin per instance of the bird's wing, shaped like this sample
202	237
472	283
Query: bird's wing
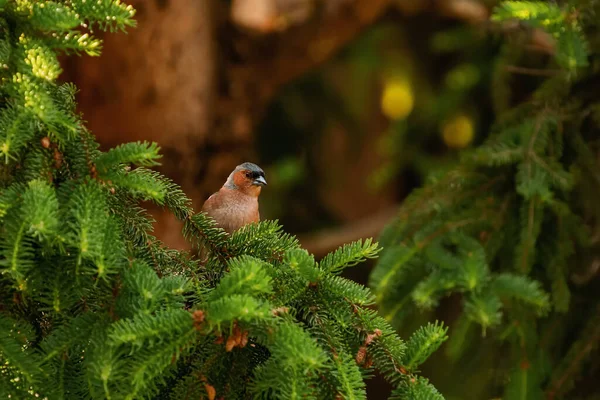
209	203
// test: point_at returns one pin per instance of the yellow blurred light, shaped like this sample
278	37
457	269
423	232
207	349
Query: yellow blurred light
397	100
458	132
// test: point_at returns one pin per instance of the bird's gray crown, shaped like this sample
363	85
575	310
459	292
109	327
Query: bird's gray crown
250	167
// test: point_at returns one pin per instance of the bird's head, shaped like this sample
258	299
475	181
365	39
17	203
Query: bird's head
248	178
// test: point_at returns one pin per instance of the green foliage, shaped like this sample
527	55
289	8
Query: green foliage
142	154
418	389
20	364
349	255
423	343
571	46
505	234
579	351
93	306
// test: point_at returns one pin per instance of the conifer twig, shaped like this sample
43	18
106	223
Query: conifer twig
532	71
589	345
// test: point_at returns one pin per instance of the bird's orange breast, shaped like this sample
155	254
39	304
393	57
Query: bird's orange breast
232	209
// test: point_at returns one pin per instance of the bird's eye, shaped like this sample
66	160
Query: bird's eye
248	174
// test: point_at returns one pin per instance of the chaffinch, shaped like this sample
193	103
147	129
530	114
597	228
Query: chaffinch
236	203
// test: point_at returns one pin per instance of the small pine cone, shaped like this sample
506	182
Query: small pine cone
279	310
376	333
198	315
210	391
58	158
244	339
361	355
232	341
45	142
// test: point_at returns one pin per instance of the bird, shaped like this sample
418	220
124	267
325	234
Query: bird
236	203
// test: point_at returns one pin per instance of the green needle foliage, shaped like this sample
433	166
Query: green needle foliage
512	230
93	306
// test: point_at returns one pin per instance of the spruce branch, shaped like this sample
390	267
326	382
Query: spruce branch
423	343
247	276
418	389
202	230
152	365
349	378
75	42
388	350
16	130
578	353
17	249
485	309
532	71
41	207
49	14
88	221
265	240
349	255
145	330
108	14
18	358
523	289
139	184
525	380
572	47
351	291
531	220
143	154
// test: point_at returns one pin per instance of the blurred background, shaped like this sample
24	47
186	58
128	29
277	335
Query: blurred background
346	104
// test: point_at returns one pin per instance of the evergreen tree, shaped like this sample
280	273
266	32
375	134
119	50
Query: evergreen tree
513	228
93	306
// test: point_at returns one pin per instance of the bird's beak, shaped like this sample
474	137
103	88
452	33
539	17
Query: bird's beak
260	181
